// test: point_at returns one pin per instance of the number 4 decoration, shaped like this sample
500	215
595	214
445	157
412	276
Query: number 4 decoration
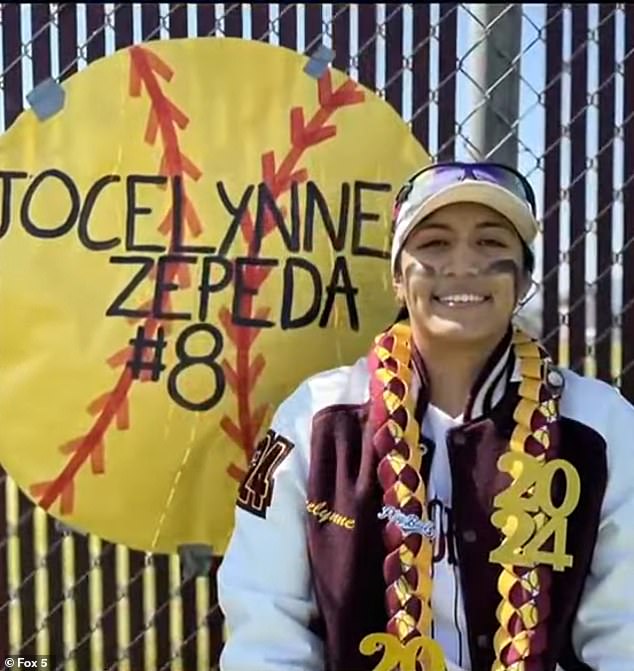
256	491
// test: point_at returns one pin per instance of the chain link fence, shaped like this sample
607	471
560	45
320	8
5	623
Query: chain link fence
96	606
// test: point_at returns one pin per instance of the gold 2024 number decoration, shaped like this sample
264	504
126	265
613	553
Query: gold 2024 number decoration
199	216
404	657
524	537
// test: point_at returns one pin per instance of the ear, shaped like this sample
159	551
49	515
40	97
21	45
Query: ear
399	287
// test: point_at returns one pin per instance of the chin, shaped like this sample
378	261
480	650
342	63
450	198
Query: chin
465	331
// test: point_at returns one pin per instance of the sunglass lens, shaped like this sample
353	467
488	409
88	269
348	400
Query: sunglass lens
508	179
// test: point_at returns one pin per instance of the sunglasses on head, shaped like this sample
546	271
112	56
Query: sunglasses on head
433	178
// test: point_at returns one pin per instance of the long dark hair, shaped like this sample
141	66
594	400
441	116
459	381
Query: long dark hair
402	315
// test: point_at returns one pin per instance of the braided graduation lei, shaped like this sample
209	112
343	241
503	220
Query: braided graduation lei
523	608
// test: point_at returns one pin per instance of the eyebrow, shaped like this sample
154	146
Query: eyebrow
495	224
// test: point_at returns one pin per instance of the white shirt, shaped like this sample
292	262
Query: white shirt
449	625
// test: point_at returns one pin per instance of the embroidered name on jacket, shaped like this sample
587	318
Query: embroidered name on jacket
320	510
256	491
407	523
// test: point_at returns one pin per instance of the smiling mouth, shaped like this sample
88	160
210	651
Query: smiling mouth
462	300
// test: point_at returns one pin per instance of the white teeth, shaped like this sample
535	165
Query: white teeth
462	298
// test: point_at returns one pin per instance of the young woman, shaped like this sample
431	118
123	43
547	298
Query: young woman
452	486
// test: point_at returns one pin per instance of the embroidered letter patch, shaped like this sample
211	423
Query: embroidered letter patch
256	491
408	524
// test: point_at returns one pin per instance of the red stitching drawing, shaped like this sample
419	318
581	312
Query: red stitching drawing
165	118
242	378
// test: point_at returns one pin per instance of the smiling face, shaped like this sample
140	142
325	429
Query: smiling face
461	274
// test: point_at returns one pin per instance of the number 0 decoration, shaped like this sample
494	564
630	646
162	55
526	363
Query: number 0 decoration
198	216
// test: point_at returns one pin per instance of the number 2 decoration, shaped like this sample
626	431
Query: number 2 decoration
397	655
527	514
256	491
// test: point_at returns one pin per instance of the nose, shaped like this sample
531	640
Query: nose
463	260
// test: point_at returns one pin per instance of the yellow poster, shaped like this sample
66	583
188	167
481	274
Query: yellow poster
200	226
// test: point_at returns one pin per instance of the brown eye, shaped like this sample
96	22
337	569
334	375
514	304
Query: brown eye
429	244
492	242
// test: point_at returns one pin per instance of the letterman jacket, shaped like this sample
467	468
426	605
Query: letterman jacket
301	583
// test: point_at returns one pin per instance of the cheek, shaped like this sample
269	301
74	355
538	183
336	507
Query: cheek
506	291
422	261
418	278
509	273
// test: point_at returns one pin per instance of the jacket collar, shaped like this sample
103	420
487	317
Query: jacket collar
491	384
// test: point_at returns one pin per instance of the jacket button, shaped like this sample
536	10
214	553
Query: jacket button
555	381
459	439
469	536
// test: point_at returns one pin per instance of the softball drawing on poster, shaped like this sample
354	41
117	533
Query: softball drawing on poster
198	227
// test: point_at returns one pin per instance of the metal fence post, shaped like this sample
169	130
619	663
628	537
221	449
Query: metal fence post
497	32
